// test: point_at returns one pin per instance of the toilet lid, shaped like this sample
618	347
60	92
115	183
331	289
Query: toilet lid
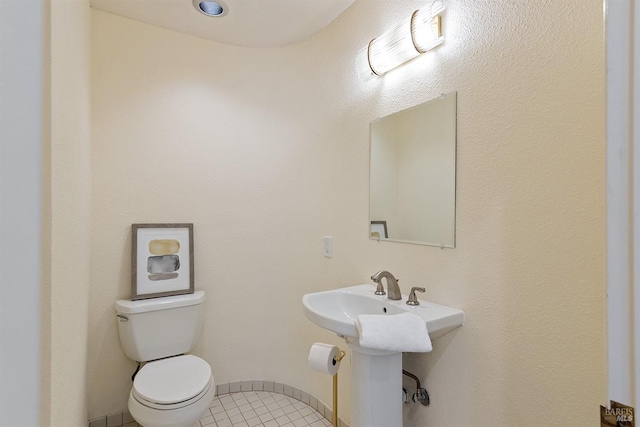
172	380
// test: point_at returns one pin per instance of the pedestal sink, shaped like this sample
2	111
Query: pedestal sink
376	380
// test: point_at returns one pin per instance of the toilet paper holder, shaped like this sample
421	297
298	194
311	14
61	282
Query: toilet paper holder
339	357
334	417
326	358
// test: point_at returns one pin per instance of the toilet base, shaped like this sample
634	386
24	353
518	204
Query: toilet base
179	417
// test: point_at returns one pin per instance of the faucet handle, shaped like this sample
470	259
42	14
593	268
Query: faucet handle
379	288
378	280
413	300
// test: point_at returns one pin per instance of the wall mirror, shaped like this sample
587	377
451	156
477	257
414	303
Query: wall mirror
412	173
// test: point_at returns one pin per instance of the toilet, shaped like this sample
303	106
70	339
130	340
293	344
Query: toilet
173	389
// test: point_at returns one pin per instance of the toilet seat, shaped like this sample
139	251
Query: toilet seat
172	383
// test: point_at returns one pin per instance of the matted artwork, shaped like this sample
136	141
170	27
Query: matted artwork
161	260
378	230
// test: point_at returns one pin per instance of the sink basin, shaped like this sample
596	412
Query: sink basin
336	310
376	374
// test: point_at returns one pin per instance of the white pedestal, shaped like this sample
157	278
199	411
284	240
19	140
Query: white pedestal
376	388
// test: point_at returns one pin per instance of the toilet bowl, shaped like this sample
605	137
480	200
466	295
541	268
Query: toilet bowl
173	389
172	392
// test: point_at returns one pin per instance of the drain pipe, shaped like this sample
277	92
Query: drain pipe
421	395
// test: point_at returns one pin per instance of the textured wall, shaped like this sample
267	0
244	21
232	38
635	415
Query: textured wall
266	151
66	215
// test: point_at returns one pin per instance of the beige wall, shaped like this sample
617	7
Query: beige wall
383	188
266	152
66	215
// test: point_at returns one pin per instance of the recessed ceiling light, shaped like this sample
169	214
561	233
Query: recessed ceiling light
210	8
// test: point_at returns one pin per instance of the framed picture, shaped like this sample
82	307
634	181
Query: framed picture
161	260
379	230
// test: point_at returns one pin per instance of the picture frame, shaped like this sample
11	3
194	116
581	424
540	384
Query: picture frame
161	260
378	230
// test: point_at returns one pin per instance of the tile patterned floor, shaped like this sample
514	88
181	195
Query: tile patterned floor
258	409
261	409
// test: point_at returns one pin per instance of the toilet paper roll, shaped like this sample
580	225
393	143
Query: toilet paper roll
323	358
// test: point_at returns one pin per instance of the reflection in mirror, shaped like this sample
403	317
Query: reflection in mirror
413	174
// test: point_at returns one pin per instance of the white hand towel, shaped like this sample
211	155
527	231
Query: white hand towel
405	332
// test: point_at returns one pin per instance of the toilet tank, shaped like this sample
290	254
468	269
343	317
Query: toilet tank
160	327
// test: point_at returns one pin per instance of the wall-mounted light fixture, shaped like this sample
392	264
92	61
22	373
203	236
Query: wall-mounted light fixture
419	34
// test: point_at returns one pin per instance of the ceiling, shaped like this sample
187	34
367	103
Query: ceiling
252	23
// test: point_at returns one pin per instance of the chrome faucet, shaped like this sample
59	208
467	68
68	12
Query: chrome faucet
392	285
